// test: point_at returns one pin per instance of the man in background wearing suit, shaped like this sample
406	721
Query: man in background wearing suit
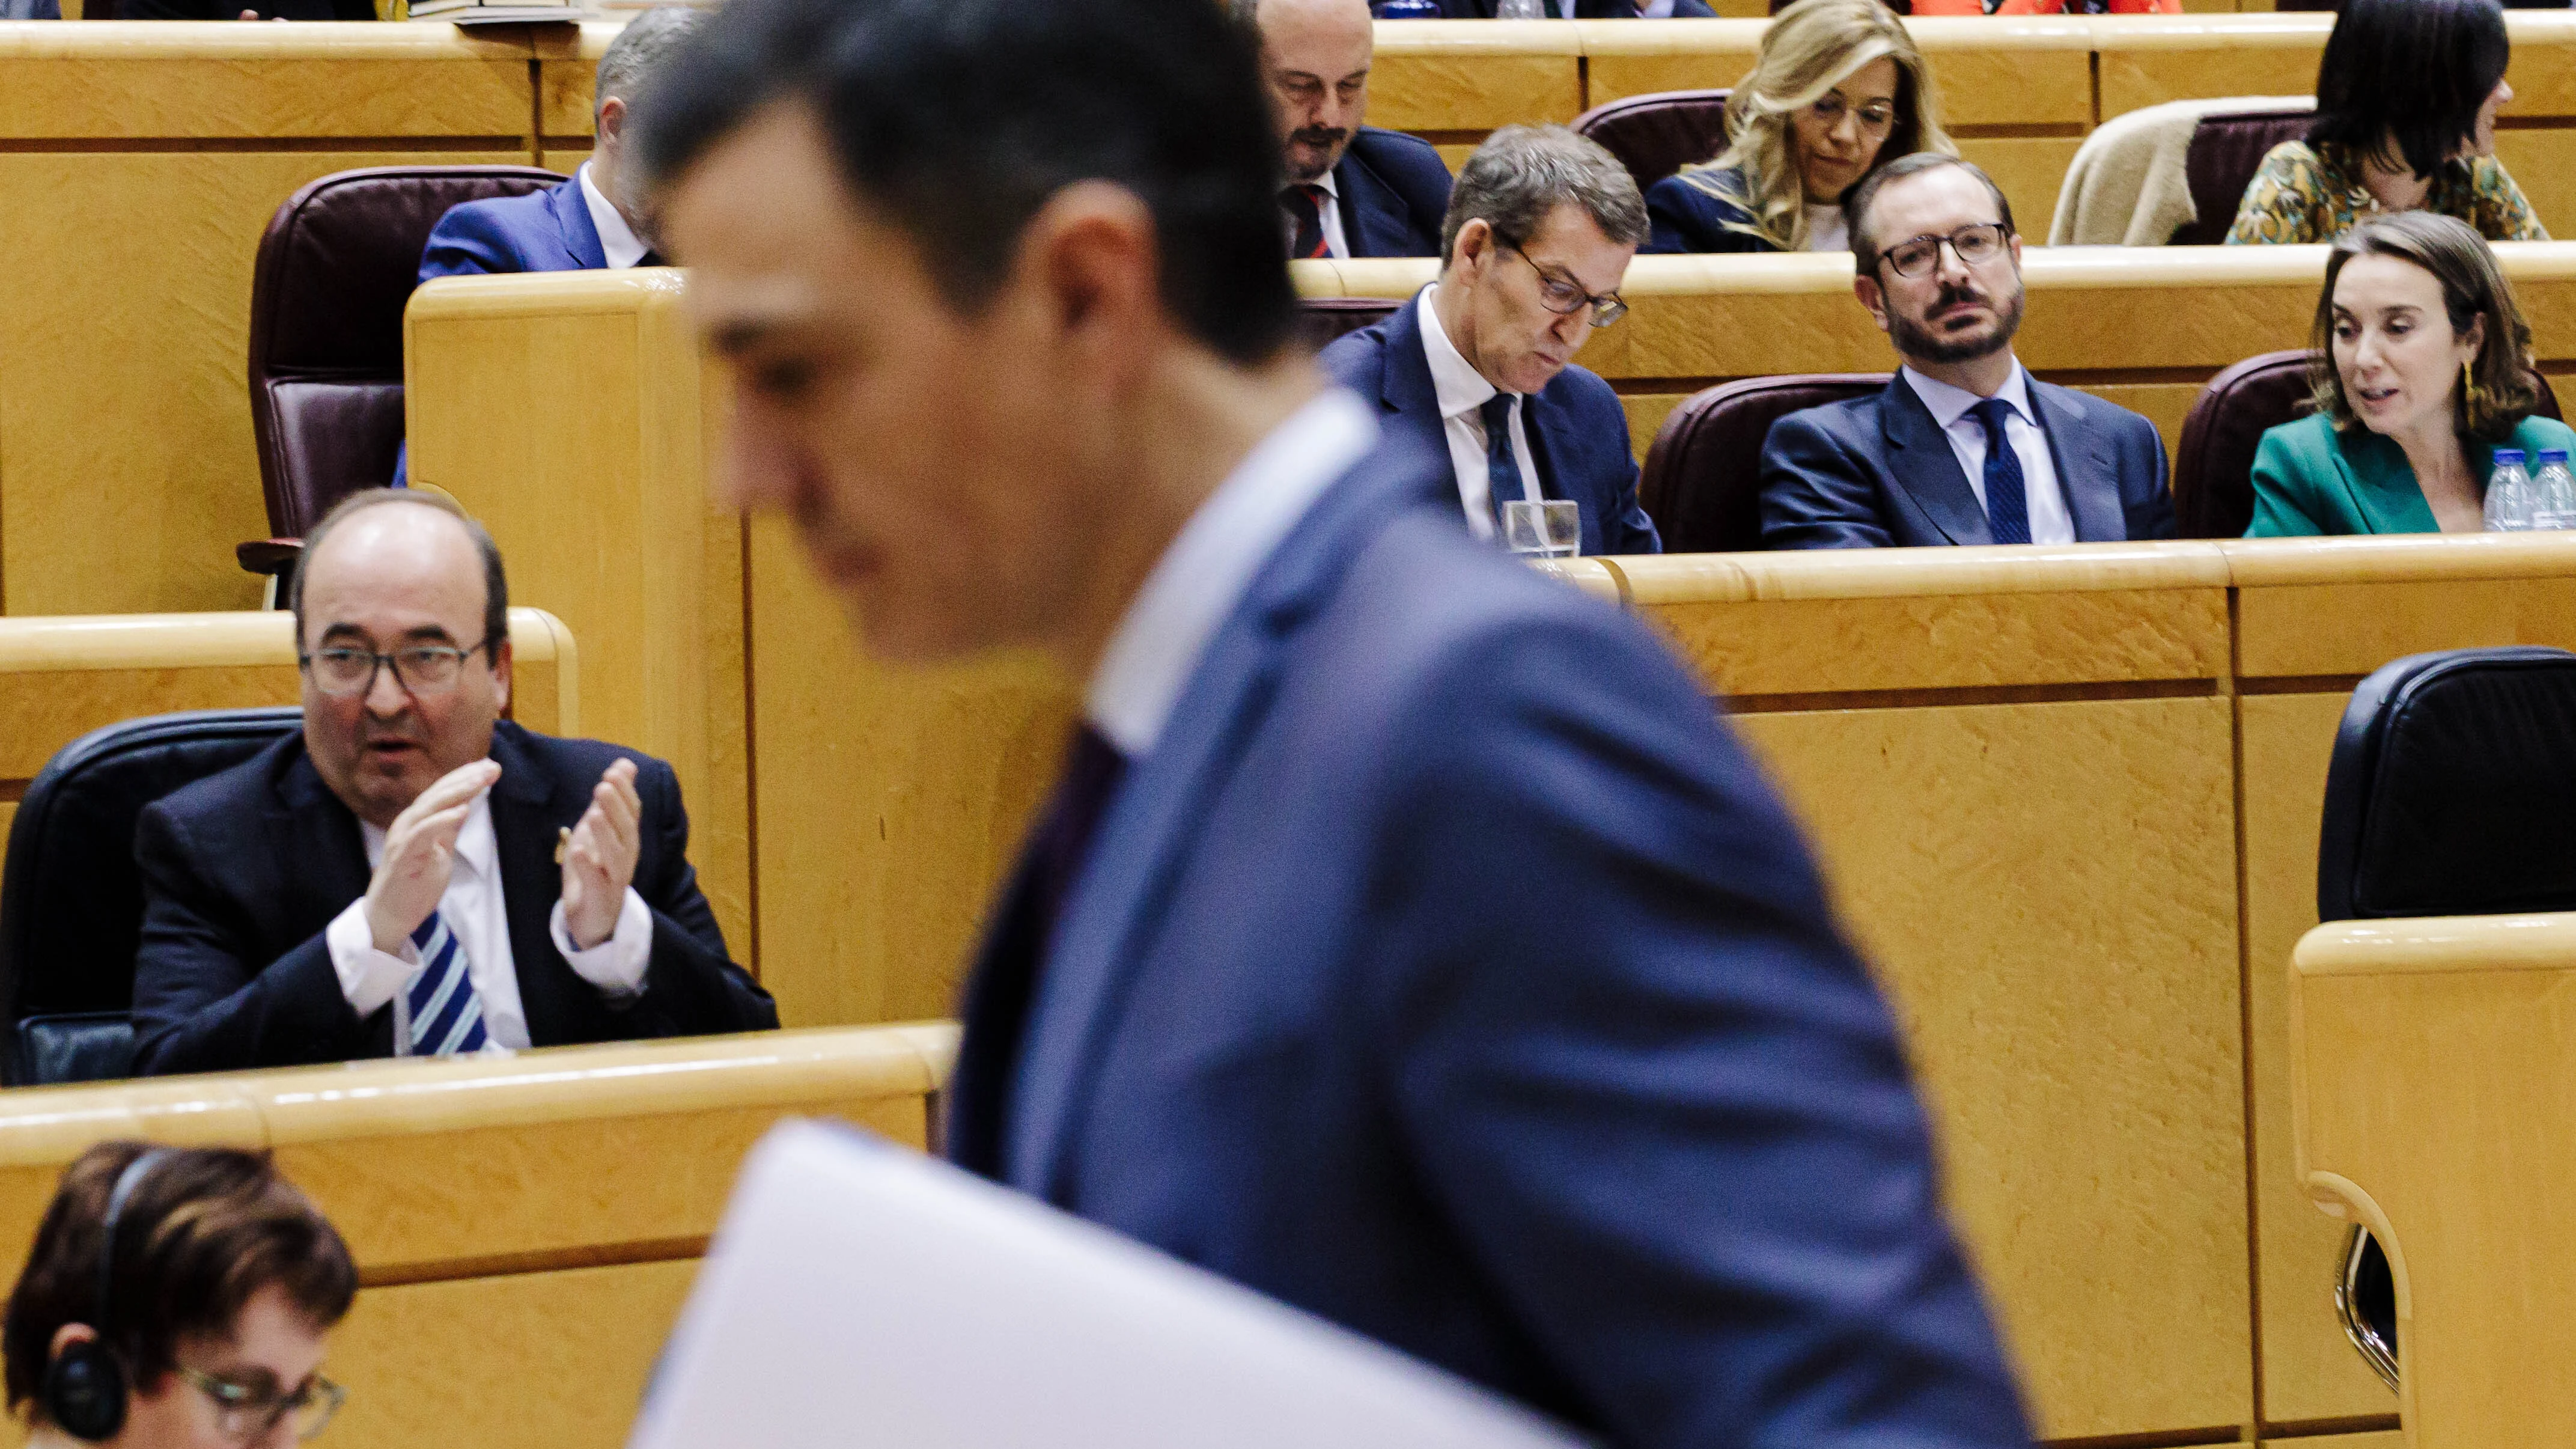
1477	368
1352	190
1408	939
412	875
592	221
1963	445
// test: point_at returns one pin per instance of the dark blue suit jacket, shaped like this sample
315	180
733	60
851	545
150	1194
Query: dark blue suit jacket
243	870
1578	433
543	231
1394	191
1878	471
1681	217
1448	970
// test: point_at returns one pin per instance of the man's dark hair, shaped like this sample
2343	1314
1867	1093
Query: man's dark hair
1518	178
1856	201
956	120
496	583
203	1231
2403	80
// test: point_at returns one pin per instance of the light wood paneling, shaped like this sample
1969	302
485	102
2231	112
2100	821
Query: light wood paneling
2074	1024
2146	62
636	557
2543	163
528	1361
1433	75
2030	169
1638	57
2432	1104
158	79
891	801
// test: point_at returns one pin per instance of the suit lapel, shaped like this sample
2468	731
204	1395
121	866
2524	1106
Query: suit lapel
1136	859
1550	427
309	826
1405	389
1372	214
2086	475
580	237
523	838
1920	460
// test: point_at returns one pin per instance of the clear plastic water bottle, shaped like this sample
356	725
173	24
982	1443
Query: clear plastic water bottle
2510	506
2553	490
1520	9
1406	9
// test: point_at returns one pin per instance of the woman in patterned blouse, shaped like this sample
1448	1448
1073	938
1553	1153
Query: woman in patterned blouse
2407	97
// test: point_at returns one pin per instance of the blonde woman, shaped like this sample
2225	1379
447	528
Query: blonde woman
1838	90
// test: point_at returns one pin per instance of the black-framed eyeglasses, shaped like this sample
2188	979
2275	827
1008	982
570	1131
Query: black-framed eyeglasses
341	670
1978	241
1564	298
245	1414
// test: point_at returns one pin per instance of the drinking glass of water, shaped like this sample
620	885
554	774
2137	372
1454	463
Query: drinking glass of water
1552	529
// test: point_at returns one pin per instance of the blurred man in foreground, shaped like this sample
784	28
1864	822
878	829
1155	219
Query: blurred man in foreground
1406	939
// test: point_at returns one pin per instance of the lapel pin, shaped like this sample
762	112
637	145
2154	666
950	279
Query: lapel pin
563	838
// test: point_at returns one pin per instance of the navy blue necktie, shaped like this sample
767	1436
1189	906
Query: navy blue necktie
1502	465
2007	502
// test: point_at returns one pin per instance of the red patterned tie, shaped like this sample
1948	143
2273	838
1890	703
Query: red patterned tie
1305	208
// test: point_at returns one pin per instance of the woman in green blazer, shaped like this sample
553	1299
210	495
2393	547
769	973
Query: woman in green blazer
2423	371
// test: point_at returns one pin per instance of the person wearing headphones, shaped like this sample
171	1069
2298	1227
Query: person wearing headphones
176	1298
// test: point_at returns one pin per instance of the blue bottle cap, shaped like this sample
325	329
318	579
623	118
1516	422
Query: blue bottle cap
2508	456
2553	455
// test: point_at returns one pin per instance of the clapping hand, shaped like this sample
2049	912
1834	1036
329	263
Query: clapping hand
599	857
420	850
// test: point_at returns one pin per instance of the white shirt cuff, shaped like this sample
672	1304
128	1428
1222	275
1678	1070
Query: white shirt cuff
368	977
616	965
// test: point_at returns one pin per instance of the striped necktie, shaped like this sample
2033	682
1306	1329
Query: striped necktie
1304	206
446	1011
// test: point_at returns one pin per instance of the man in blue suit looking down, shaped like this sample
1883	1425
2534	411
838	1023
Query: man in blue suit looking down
1407	939
592	221
1352	190
1477	368
1963	445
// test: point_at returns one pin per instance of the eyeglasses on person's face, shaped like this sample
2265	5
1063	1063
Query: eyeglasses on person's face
1875	116
1976	243
341	670
250	1413
1561	295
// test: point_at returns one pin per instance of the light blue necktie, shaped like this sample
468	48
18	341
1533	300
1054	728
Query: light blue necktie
1502	465
2007	504
446	1011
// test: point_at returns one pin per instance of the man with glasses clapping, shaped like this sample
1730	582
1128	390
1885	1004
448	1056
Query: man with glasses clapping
412	875
1963	445
1479	365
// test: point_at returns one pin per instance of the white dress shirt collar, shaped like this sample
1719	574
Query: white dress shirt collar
1202	576
1459	386
1949	404
617	240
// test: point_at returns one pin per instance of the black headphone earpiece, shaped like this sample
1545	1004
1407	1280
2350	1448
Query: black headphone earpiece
85	1389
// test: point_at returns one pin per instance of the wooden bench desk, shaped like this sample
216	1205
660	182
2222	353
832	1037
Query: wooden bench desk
2432	1105
525	1228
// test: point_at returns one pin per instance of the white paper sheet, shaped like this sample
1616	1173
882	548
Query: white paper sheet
859	1294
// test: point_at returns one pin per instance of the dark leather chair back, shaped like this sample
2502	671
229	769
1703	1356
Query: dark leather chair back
2213	480
2451	792
1657	135
71	900
1322	319
326	305
2226	150
1702	482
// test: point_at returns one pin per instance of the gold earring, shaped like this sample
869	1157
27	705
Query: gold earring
2469	396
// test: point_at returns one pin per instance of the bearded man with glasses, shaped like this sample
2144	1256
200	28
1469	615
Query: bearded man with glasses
1478	367
413	875
1963	445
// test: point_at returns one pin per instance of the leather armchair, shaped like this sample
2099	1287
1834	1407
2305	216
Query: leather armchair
337	264
1702	482
2451	792
71	899
2213	483
1657	135
2226	150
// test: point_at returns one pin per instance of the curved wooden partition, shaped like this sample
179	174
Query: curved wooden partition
524	1228
62	678
2141	327
2432	1105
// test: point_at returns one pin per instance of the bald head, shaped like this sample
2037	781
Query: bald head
413	580
1315	64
